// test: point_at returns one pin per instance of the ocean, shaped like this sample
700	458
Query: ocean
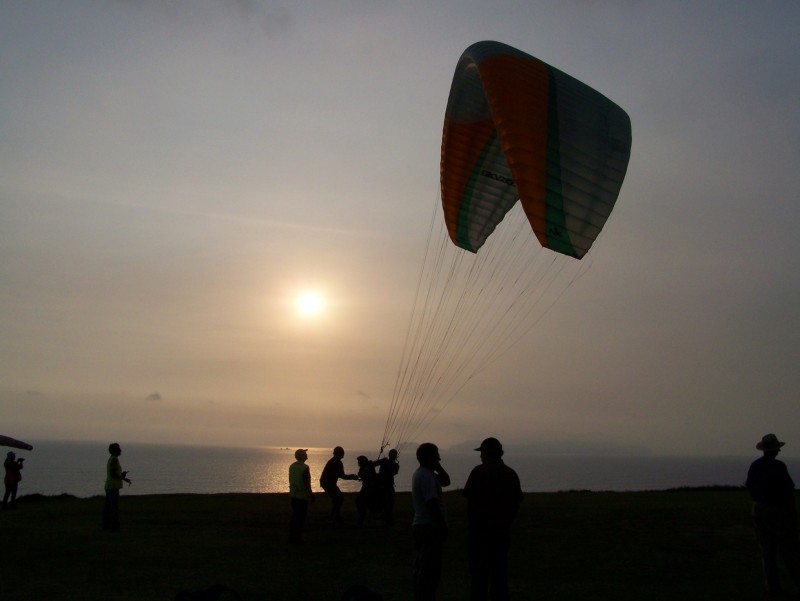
78	468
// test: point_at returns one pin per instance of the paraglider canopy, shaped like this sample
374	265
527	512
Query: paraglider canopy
532	162
517	128
7	441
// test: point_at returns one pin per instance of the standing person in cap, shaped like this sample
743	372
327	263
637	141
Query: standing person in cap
429	527
13	475
300	493
331	474
774	513
493	494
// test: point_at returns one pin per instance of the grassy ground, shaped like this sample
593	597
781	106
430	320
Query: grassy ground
670	546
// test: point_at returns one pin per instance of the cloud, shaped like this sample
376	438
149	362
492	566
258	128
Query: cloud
272	20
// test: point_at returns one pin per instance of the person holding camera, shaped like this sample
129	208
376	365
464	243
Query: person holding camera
12	478
114	479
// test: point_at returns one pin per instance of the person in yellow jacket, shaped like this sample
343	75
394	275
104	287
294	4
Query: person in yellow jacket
300	493
114	479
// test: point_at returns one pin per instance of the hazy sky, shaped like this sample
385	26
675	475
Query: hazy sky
173	173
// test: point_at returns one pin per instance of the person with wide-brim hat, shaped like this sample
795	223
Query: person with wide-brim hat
774	514
769	442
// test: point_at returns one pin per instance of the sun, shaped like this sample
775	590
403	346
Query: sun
310	303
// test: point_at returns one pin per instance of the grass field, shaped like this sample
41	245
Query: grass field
672	546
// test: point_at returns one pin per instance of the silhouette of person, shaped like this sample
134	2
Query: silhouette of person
114	479
368	498
493	494
300	494
12	478
429	527
774	514
388	468
331	474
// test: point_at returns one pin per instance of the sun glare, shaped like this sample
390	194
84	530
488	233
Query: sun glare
310	303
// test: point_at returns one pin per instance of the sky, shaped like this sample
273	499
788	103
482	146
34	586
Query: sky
174	173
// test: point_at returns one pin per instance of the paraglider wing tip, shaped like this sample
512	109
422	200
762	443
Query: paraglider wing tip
7	441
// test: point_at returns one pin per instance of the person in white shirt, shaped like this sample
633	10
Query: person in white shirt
430	523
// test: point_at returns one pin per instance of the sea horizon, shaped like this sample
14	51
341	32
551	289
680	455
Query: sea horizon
77	468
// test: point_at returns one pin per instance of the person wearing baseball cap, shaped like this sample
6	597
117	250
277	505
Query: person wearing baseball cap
774	514
493	494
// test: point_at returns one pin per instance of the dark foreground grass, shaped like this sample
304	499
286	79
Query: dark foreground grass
672	546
